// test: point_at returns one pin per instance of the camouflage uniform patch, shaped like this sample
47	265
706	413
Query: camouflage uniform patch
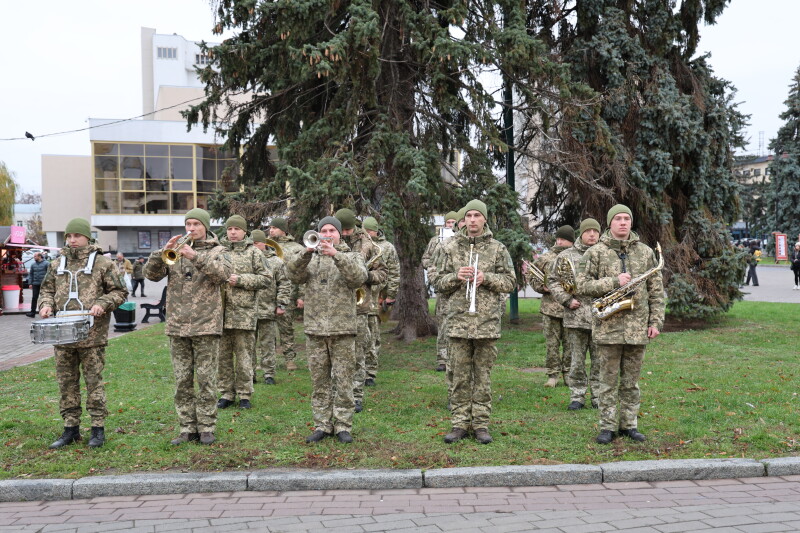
362	346
471	361
195	357
266	359
276	293
235	366
286	321
557	360
620	367
373	352
68	364
332	364
578	342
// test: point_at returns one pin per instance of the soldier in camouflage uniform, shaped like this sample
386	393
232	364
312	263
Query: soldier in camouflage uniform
382	295
238	344
194	323
100	291
577	317
428	263
272	303
332	274
358	241
472	337
556	362
621	338
279	232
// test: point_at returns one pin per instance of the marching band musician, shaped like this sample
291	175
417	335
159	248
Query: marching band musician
577	319
331	276
194	322
621	338
556	361
101	290
279	232
472	336
359	242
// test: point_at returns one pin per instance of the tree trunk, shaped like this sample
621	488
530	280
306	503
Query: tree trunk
412	303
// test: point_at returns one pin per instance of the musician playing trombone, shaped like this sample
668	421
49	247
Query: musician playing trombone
619	259
475	271
577	320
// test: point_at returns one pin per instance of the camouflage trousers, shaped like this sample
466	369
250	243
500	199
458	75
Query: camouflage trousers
286	331
362	345
441	337
195	357
471	362
374	324
235	370
577	342
332	364
69	362
556	362
620	366
264	357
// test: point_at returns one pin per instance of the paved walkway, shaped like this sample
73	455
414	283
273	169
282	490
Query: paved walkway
727	505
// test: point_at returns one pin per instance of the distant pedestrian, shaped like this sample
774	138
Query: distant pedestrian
138	276
752	262
36	276
795	258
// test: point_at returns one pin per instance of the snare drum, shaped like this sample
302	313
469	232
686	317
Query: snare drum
60	330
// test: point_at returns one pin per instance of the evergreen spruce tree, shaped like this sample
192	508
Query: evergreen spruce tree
369	104
783	191
659	139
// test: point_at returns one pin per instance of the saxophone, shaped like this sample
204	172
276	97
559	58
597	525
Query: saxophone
622	298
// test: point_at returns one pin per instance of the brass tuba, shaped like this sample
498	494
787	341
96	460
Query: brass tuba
566	275
275	246
621	298
170	255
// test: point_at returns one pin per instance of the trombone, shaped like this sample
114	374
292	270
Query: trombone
472	287
170	255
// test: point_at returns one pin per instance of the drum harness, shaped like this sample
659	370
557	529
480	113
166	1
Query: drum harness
73	285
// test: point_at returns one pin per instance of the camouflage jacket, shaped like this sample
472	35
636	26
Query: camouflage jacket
278	289
599	276
240	299
392	262
331	283
549	306
290	247
499	279
580	318
361	243
194	288
430	250
104	287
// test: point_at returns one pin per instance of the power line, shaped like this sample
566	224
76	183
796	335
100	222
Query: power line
106	124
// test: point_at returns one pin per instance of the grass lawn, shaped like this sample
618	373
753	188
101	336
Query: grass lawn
726	390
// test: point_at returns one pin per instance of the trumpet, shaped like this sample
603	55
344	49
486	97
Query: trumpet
170	255
472	287
311	239
275	246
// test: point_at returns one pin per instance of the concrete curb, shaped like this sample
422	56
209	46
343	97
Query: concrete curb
292	479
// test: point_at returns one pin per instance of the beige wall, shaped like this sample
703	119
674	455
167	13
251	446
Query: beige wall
67	194
169	96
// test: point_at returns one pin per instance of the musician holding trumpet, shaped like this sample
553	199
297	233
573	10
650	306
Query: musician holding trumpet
475	271
620	264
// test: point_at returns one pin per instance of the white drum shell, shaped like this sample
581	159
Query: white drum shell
60	330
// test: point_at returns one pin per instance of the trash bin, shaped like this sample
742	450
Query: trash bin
11	297
125	317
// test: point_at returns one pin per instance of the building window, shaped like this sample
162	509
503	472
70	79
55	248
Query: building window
167	53
756	172
201	59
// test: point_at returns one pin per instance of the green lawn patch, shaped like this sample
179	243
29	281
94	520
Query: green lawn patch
727	389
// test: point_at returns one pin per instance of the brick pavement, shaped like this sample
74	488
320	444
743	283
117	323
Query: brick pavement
750	505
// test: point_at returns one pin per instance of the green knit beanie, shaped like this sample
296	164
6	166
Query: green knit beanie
370	223
280	223
460	214
236	221
258	236
588	223
566	233
476	205
616	210
451	216
200	215
333	221
80	226
346	217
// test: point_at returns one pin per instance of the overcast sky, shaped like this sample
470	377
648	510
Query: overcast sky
67	61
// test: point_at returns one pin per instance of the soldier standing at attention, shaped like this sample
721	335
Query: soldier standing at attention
279	232
556	362
428	263
472	336
194	322
359	242
238	344
577	316
272	303
621	338
100	290
332	276
382	295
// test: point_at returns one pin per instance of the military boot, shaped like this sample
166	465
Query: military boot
98	437
71	434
